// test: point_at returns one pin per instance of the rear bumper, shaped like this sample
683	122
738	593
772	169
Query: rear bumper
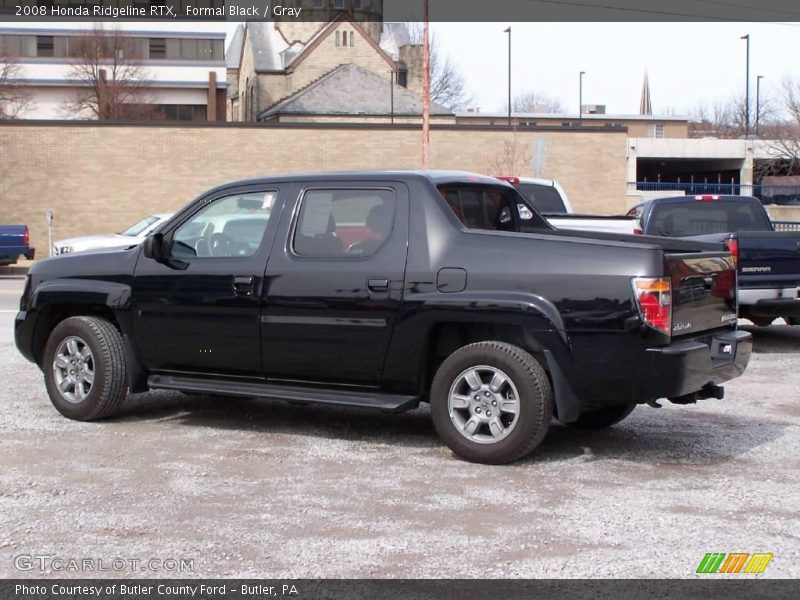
685	367
770	302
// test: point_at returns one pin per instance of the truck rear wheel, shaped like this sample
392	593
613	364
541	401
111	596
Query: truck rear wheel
84	368
602	417
792	320
491	402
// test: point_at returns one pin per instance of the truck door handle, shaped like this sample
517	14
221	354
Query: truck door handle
243	285
378	285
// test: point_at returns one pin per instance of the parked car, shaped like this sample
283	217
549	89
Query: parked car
131	236
384	290
15	242
768	261
550	199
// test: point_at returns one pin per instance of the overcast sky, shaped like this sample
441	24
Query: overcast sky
688	63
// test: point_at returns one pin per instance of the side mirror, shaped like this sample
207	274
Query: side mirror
153	246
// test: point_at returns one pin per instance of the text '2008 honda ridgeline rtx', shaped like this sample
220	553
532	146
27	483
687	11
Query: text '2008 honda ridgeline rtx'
383	290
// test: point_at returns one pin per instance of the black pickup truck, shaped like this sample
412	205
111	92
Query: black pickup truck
384	290
768	261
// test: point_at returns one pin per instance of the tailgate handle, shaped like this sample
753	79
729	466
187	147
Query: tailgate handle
378	285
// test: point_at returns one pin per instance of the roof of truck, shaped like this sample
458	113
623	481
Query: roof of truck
437	177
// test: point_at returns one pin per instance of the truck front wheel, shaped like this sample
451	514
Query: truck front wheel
491	402
602	417
84	368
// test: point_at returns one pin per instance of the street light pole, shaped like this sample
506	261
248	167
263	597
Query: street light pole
758	101
580	97
747	89
508	31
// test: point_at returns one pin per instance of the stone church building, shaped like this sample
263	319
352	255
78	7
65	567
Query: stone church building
351	68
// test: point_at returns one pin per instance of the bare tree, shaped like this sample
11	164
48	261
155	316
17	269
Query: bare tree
513	157
448	86
728	119
784	148
112	83
15	96
533	101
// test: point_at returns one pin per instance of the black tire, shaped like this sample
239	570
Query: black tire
602	417
792	320
109	385
534	406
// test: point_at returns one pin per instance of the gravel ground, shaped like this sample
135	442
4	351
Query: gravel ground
265	489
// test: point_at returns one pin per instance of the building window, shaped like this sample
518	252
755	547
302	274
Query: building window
402	77
44	45
357	4
352	39
158	48
655	130
183	112
319	3
338	39
338	4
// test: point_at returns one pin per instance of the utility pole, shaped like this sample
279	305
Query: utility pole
426	90
580	97
758	101
747	89
508	31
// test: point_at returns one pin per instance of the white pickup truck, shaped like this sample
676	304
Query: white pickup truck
552	202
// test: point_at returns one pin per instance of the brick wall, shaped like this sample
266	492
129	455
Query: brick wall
102	178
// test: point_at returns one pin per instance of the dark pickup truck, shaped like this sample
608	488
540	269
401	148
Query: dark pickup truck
14	242
768	261
384	290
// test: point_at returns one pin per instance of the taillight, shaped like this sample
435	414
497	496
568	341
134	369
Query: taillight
733	248
706	198
638	231
26	237
654	301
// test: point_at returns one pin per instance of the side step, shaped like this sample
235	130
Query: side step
385	402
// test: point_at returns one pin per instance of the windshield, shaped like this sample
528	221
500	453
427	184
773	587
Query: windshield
698	217
545	198
140	226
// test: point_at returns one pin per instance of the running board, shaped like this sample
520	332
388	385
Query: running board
306	395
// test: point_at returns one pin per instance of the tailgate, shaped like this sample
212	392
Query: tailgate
771	254
703	291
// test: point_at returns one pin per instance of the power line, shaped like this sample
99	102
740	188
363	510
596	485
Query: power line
750	8
665	13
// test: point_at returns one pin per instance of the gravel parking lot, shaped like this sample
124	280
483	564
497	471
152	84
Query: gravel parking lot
248	488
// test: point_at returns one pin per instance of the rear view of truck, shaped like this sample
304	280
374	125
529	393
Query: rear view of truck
768	261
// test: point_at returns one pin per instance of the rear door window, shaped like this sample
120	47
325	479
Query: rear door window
344	223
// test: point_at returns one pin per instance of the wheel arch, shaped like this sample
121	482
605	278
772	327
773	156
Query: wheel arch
52	302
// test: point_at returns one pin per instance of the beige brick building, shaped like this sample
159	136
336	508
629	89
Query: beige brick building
118	173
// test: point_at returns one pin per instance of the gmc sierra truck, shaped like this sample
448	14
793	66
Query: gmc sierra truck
768	260
383	290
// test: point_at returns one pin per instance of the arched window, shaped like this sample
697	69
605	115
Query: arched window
338	39
352	39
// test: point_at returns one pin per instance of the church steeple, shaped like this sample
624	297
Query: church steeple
645	107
